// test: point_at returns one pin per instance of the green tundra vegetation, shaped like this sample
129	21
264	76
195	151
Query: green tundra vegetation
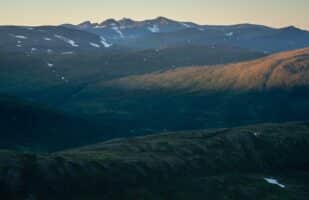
216	164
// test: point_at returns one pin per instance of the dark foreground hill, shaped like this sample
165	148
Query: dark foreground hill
261	162
26	126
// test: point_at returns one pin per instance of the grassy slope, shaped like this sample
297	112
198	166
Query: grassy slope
217	164
284	70
271	89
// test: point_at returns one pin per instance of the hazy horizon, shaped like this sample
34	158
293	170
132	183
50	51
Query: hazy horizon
274	13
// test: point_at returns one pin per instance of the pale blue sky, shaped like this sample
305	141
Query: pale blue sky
276	13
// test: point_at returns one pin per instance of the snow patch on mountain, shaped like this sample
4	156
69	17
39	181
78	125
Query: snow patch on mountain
200	29
117	30
113	24
124	27
230	34
94	45
257	134
19	36
49	51
67	53
186	25
67	40
154	29
105	43
274	182
99	26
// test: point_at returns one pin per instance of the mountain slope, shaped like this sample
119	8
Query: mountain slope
271	89
49	40
219	164
54	76
281	71
28	126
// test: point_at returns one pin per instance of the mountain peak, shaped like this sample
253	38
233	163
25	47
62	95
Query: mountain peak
163	20
126	21
109	22
291	28
85	24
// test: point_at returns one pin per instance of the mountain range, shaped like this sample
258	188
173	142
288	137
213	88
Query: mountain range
163	32
154	109
112	36
98	72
